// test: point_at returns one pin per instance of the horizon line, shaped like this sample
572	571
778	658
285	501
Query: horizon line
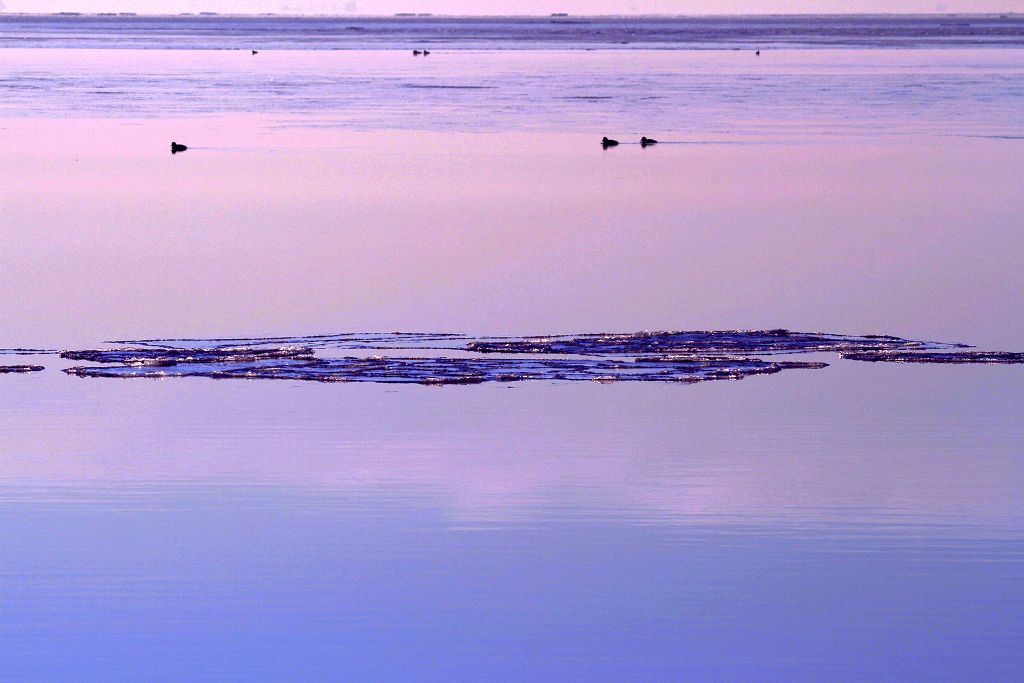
432	15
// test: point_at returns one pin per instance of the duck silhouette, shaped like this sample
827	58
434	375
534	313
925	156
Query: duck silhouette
175	148
644	141
255	52
416	53
607	142
757	53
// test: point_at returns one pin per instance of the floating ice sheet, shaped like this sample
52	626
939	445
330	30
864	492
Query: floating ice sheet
701	342
704	342
27	352
167	357
347	340
447	358
1004	357
443	370
5	369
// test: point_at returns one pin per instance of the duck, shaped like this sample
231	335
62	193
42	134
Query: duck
426	52
175	148
607	142
644	141
757	53
255	52
416	53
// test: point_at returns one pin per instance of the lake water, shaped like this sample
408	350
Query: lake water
858	522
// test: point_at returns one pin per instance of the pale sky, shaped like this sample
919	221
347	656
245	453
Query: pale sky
388	7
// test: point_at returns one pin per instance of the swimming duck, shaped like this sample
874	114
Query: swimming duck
644	141
416	53
255	52
757	53
606	142
175	148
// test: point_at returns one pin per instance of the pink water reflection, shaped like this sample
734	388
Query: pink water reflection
261	230
813	446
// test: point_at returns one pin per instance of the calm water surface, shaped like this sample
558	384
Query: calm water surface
861	522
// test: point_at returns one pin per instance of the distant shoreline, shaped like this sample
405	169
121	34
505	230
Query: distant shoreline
484	17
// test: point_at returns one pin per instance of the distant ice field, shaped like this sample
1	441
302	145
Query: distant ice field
675	95
505	33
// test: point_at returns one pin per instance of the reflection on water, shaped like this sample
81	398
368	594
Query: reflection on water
292	585
861	523
313	230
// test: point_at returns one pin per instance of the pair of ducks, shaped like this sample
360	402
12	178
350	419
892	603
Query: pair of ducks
644	142
605	142
417	53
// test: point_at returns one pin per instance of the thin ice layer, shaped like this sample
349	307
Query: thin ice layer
701	342
344	340
5	369
170	357
441	370
1003	357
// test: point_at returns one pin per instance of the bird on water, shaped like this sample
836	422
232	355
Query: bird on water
175	148
644	141
607	142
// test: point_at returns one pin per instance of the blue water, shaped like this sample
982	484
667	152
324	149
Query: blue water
802	526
